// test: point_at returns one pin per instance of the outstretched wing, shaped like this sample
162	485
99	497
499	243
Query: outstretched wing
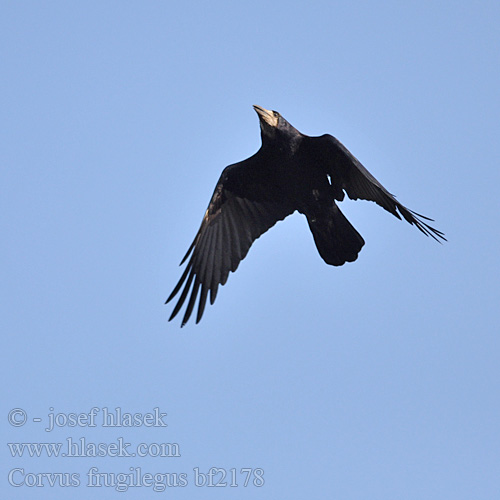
348	174
241	209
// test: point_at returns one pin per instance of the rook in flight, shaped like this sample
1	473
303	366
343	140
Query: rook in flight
291	171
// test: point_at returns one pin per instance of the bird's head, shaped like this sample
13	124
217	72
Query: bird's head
272	124
269	121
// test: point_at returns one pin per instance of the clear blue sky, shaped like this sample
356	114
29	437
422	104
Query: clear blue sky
377	380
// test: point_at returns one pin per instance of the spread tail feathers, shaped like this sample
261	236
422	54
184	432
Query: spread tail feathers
336	239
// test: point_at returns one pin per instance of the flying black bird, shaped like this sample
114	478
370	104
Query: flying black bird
291	171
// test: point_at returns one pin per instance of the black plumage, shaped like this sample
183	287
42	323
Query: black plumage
291	171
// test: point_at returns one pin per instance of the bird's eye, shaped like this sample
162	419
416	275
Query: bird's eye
276	114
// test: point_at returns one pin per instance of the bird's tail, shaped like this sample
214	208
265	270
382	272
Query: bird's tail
336	239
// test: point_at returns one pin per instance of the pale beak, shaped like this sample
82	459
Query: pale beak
266	116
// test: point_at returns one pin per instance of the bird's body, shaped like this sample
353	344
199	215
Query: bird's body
291	171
